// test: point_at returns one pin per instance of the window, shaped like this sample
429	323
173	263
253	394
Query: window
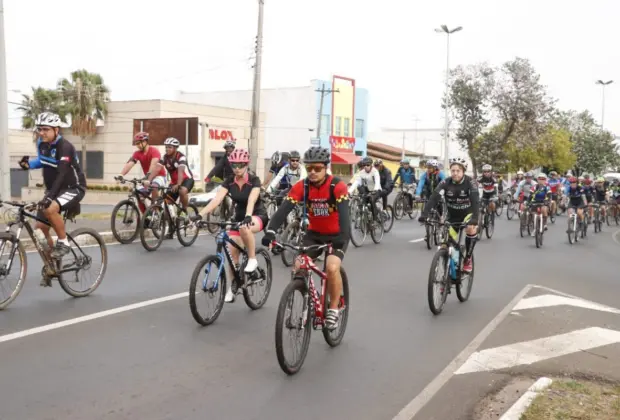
326	125
338	126
347	123
359	128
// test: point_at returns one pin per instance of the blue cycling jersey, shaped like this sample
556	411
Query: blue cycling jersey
406	175
429	185
540	193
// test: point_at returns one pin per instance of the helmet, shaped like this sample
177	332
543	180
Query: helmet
600	179
433	163
239	156
519	172
360	163
285	157
141	136
378	162
295	154
48	119
553	173
404	161
275	158
229	144
542	175
587	176
528	174
317	155
572	180
454	161
171	141
486	168
581	178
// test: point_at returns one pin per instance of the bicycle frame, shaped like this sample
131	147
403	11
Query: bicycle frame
223	252
449	242
306	264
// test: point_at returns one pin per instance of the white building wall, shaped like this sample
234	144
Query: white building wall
290	113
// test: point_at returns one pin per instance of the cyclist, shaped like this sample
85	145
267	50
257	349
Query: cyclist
65	183
588	188
368	179
175	163
149	158
576	199
517	180
277	163
462	201
554	183
222	168
326	202
541	195
489	187
429	179
600	195
288	176
524	189
385	179
407	176
244	189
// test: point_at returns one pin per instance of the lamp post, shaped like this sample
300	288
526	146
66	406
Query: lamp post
448	32
603	84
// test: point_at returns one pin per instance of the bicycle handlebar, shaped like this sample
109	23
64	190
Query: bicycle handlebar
131	181
22	205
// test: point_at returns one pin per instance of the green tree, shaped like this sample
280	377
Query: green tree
555	149
489	149
85	97
41	100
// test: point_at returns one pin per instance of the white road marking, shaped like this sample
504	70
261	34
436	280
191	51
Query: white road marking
515	412
417	240
96	315
516	313
415	405
555	300
528	352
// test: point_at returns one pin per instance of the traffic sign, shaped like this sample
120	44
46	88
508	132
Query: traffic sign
315	141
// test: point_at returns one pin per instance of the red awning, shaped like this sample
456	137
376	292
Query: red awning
345	158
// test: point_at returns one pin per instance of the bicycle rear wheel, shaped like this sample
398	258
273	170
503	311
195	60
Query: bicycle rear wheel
466	281
81	241
9	247
438	284
301	324
334	338
259	279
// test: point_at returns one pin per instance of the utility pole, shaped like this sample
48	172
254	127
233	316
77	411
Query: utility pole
253	146
5	170
323	93
604	85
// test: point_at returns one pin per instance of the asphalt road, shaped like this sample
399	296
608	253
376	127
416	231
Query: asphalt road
155	362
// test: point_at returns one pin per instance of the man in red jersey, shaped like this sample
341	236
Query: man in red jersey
149	158
326	205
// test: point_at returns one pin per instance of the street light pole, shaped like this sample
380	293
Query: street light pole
603	84
253	146
5	170
448	32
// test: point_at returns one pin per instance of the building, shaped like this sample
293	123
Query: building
201	129
391	156
291	121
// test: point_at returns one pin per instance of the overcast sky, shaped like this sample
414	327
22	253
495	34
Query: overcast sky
150	49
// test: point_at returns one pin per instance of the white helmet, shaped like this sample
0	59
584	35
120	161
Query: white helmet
433	163
542	175
171	141
519	172
458	161
48	119
486	167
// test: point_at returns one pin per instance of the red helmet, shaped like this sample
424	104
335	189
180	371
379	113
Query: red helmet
572	180
239	156
141	136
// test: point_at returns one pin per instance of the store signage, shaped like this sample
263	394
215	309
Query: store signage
342	144
221	135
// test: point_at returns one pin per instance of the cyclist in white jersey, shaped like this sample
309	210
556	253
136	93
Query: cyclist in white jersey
525	187
293	172
368	177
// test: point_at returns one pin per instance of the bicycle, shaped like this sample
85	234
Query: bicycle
432	232
487	220
598	219
539	226
575	227
525	222
362	220
130	210
57	268
314	304
242	282
450	256
612	213
499	205
164	213
404	202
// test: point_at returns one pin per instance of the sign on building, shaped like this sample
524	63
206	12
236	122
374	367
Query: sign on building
342	144
215	134
183	129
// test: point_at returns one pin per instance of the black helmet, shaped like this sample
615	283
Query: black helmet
285	157
360	163
295	154
366	161
317	155
378	162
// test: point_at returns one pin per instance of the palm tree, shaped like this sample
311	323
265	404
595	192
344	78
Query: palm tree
85	97
40	101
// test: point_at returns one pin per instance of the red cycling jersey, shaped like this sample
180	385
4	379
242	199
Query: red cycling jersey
172	163
145	159
322	208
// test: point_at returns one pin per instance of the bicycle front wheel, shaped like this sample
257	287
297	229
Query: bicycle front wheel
299	326
155	222
187	232
389	221
212	290
376	229
86	246
399	206
438	281
9	246
124	214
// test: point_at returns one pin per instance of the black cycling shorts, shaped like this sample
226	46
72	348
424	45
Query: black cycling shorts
68	199
187	183
579	205
491	196
313	238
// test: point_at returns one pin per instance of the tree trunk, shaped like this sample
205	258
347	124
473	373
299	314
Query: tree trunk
83	162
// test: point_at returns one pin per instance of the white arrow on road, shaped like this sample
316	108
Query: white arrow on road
528	352
555	300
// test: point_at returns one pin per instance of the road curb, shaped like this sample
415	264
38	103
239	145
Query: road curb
518	408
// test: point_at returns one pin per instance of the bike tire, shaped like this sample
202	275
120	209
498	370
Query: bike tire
376	238
462	293
537	234
570	232
335	340
180	228
196	275
361	213
72	237
159	237
288	255
428	236
509	211
499	208
490	228
388	224
115	231
23	260
247	294
440	257
522	223
297	284
399	206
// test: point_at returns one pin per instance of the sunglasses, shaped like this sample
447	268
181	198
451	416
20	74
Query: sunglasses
367	166
238	165
315	168
294	160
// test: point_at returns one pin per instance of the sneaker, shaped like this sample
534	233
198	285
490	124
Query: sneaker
60	250
331	319
251	265
230	296
467	265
